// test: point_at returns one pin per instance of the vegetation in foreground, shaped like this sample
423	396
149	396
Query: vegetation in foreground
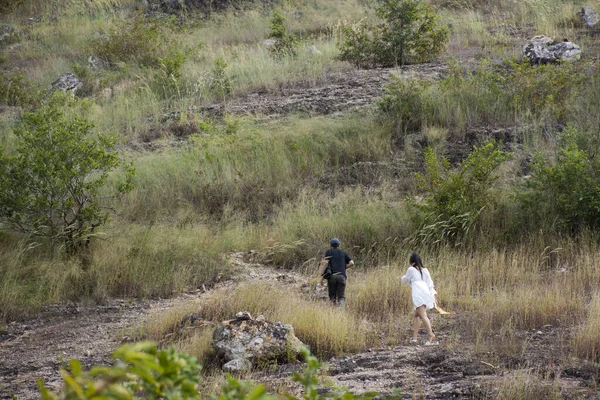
490	172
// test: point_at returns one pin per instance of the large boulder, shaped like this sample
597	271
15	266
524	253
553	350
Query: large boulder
245	342
544	50
589	15
66	82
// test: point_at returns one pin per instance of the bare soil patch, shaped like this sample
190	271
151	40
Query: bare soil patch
337	93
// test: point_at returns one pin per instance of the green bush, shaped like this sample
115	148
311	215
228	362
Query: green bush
221	84
138	41
408	33
167	80
286	43
50	186
563	191
149	373
404	104
454	198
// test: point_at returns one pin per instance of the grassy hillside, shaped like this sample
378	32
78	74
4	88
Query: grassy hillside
512	243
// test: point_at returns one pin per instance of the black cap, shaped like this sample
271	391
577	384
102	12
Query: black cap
334	241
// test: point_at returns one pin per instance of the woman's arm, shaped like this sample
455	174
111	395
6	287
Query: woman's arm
407	278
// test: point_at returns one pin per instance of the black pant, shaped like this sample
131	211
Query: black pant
337	289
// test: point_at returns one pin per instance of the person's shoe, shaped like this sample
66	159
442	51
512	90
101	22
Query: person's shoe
432	343
414	341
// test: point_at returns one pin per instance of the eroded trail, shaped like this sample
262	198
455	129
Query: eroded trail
340	92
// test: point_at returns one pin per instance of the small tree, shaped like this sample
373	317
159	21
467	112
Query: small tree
50	185
286	44
409	33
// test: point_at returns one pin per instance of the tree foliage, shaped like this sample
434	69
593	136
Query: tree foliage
409	32
51	185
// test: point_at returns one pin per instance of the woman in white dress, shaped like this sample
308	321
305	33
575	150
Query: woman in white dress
422	295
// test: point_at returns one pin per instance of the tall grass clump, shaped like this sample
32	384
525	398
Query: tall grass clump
250	171
371	231
524	385
157	261
34	274
379	295
586	341
68	7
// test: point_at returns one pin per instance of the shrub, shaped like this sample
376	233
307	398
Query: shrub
168	78
408	33
139	41
454	199
286	43
220	85
565	191
50	186
403	103
6	6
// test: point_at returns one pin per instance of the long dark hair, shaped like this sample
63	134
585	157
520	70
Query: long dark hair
415	261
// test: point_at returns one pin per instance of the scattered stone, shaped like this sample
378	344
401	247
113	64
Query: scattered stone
237	365
544	50
255	342
589	16
96	63
269	43
66	82
313	50
260	318
243	316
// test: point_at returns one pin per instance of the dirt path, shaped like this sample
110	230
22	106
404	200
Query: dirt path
37	348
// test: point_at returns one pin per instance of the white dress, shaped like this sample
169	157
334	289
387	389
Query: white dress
422	287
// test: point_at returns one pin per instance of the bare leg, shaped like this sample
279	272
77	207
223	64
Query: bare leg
423	315
415	326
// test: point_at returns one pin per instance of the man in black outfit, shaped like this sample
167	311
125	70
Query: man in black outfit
339	262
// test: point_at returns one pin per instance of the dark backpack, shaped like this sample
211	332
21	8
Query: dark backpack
328	272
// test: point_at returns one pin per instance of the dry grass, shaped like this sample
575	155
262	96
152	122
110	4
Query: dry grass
586	342
525	385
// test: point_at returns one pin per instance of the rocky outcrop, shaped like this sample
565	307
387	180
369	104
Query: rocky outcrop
245	342
589	15
66	82
544	50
